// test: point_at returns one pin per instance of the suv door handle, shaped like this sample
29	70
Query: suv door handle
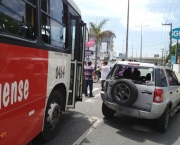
171	92
147	92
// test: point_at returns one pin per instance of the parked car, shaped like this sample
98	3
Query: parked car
141	90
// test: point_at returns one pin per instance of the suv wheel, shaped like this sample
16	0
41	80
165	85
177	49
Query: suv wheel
124	92
107	112
163	121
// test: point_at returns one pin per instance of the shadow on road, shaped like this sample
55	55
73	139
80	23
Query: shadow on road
142	130
73	125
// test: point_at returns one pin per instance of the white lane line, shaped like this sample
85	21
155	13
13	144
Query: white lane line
97	95
94	126
94	89
93	99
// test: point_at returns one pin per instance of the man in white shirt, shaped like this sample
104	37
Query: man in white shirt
105	69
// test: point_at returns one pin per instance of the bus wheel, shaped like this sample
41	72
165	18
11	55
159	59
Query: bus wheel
53	115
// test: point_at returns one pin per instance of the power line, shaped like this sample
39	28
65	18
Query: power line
170	45
165	10
175	10
170	10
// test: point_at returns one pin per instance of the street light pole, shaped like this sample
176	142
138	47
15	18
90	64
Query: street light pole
127	32
141	40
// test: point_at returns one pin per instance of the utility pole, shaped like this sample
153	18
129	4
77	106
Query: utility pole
141	40
162	56
170	45
177	52
127	32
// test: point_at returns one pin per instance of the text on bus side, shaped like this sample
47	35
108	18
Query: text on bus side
11	93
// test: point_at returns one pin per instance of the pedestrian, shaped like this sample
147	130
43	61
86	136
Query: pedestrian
88	77
83	83
105	69
85	63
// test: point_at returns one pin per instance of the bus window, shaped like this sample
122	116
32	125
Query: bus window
53	20
17	18
73	36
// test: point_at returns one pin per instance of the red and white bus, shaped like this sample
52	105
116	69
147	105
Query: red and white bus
41	66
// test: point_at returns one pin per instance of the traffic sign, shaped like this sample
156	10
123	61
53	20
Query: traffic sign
89	52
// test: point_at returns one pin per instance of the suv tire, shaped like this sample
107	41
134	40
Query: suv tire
107	112
163	121
124	92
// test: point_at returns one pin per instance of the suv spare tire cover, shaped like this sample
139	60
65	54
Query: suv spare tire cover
124	92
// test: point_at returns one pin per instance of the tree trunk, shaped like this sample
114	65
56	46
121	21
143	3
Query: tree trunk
96	55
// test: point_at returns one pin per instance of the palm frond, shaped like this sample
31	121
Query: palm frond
102	23
108	33
92	25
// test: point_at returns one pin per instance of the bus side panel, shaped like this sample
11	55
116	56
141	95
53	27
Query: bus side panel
23	81
59	65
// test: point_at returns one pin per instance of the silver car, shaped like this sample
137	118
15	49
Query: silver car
141	90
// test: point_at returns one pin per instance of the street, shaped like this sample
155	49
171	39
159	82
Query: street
85	125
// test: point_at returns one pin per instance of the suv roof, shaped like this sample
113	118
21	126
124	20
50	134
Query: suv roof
141	64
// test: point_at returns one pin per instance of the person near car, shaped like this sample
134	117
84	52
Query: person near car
83	83
88	77
105	69
85	63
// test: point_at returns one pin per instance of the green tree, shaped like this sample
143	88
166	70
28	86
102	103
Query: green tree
173	51
97	33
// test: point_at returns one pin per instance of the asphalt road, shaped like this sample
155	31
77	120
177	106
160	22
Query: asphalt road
85	125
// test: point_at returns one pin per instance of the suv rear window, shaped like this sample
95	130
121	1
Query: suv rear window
138	74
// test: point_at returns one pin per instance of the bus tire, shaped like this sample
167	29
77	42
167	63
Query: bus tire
53	115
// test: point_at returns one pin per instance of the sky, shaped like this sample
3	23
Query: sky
148	14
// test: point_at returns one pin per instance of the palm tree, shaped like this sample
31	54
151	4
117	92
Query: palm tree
98	34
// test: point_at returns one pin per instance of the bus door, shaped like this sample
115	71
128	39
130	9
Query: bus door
78	38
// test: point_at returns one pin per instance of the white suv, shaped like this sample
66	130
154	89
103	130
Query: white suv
141	90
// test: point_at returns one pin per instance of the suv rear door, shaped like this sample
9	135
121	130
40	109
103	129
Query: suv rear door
144	83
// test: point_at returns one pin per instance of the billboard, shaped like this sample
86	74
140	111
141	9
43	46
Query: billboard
90	43
112	55
175	33
88	52
156	55
122	55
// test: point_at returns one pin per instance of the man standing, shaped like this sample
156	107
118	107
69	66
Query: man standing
83	83
88	77
105	69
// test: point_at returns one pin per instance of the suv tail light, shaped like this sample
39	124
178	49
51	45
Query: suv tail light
105	86
158	96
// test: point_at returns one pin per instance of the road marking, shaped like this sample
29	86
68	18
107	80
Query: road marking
94	89
94	126
93	99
